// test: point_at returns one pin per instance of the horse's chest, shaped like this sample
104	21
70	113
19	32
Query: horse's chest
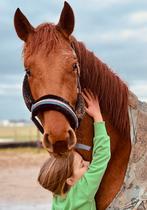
133	193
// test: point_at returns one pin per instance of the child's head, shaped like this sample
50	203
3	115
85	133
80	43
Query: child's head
59	173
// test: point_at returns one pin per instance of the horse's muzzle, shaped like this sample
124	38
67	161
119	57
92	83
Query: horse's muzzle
59	146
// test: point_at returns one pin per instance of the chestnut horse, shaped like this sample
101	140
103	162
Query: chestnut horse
54	63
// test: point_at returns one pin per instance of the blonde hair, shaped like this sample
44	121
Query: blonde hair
54	173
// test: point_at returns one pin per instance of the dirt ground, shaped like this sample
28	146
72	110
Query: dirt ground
19	189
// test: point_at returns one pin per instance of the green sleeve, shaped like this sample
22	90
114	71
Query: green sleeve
90	182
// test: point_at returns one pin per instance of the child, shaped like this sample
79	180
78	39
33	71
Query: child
71	179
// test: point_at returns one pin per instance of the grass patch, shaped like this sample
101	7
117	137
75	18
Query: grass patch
20	133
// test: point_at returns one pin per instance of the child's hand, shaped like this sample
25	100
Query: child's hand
93	108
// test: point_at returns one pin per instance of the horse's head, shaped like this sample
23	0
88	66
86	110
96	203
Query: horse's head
51	79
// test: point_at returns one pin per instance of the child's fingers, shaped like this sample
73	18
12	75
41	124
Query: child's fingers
89	94
86	110
85	96
92	96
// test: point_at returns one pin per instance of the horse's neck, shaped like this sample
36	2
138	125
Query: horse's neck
120	145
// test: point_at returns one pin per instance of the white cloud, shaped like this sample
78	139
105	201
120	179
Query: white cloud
2	92
139	17
7	89
137	34
99	4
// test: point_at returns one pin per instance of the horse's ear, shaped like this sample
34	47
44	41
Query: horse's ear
22	26
66	22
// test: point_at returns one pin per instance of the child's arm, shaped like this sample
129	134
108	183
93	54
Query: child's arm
101	149
101	155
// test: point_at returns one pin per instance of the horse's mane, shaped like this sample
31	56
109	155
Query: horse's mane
110	89
95	75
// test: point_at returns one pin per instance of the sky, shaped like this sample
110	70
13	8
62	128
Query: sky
115	30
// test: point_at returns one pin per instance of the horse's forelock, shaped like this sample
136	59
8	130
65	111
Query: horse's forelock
45	37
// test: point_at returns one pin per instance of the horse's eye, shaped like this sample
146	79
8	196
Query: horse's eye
28	72
75	66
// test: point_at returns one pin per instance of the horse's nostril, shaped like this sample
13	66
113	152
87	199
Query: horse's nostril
46	143
72	139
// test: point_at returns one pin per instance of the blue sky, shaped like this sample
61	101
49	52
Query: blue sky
115	30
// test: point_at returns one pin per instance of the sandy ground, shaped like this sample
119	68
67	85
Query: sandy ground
19	189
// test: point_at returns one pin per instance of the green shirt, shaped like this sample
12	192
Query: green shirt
81	195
